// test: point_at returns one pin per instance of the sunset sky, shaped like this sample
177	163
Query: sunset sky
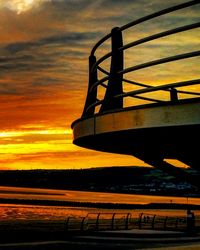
44	49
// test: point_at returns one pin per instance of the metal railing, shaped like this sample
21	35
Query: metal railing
99	222
128	221
113	80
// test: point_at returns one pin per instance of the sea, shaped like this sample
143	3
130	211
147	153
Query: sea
42	212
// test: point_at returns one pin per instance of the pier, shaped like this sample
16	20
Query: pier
153	122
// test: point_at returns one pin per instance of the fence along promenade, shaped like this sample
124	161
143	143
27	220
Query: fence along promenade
153	122
127	221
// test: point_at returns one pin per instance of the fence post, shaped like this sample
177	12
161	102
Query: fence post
91	94
153	222
173	95
176	224
97	222
126	221
140	221
115	80
165	222
67	223
113	221
82	223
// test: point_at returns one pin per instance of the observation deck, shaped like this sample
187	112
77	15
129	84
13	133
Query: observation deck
149	109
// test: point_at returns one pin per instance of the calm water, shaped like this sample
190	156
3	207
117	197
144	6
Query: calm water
35	212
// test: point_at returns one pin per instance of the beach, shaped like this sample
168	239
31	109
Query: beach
37	218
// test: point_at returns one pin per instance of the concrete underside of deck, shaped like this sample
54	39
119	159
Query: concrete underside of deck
149	133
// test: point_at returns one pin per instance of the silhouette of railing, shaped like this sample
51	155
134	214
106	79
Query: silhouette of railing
125	221
99	222
113	80
152	221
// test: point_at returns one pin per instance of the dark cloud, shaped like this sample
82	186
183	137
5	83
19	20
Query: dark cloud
73	39
7	89
46	81
53	55
44	69
53	52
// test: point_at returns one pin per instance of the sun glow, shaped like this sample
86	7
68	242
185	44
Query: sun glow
35	147
6	134
20	6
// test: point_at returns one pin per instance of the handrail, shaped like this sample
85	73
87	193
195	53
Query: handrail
148	39
159	13
160	61
149	64
146	18
99	82
162	34
126	221
156	88
188	92
136	83
99	43
103	70
101	59
152	89
113	80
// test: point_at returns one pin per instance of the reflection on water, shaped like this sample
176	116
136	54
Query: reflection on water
82	196
30	212
10	212
36	212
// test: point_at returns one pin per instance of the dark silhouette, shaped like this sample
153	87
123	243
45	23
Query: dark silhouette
190	222
157	127
136	180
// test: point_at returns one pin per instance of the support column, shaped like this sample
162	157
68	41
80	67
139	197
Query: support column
179	173
115	80
91	95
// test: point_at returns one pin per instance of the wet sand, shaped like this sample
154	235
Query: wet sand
53	235
50	234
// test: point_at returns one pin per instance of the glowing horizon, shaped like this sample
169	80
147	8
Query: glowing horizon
44	74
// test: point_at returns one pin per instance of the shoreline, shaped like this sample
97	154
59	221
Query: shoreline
182	206
163	194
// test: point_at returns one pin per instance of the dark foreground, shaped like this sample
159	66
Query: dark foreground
52	235
135	240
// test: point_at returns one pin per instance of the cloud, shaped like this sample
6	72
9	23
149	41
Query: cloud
51	61
44	51
20	6
6	89
68	39
49	108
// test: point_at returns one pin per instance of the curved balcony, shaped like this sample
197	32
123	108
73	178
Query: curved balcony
153	119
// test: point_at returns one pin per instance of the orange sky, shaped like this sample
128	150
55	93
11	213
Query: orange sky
44	48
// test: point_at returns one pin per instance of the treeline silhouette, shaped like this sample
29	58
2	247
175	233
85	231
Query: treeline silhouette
109	179
75	178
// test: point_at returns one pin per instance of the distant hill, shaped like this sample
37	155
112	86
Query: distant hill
109	179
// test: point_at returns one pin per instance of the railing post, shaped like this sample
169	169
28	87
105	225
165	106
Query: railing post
165	222
126	221
113	221
153	222
173	95
176	223
91	95
115	80
67	223
140	221
82	223
97	222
